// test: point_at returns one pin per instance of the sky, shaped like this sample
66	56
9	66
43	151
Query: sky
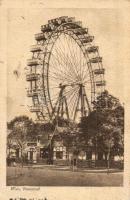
107	26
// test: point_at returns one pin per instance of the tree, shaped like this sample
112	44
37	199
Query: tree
104	126
21	128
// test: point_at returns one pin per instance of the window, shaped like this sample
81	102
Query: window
89	155
59	154
43	153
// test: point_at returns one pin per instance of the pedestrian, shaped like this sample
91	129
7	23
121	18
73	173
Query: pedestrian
74	164
14	162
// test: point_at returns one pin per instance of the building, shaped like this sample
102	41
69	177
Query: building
51	148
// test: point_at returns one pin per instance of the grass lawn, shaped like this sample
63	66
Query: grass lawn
52	177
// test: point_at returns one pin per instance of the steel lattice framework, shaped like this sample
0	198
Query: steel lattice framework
65	73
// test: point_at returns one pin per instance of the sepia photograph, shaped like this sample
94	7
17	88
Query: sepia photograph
65	97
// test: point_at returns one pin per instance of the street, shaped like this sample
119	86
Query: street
63	176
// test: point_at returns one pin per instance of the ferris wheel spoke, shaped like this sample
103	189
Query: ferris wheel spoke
69	60
55	100
72	104
69	99
69	72
73	58
61	54
57	78
70	92
61	72
70	67
69	96
75	55
56	58
70	77
82	62
60	58
86	70
65	93
66	62
60	77
86	76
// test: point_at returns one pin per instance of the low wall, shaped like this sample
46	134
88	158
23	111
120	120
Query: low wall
80	163
61	162
86	163
99	164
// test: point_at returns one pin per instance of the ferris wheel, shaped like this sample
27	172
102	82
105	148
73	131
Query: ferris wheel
65	73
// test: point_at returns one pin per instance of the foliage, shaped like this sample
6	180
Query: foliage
104	127
24	128
106	101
